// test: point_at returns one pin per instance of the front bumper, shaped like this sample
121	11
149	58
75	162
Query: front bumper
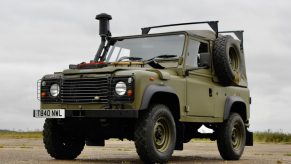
101	113
104	113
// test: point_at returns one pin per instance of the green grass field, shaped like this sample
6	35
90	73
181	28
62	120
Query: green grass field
259	137
272	137
19	135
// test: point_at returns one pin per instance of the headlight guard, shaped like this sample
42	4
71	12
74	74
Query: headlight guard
50	90
122	89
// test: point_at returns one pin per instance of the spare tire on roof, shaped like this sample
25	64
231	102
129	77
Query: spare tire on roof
226	60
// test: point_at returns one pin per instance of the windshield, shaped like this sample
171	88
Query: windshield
146	48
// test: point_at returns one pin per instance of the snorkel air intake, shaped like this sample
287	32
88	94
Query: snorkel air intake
104	32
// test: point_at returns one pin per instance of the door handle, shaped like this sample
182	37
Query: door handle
210	92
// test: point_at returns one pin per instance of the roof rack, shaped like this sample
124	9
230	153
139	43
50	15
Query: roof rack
212	24
238	34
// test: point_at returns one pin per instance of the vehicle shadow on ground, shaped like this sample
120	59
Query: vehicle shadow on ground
194	158
174	159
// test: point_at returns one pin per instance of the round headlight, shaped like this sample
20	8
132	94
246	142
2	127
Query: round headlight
55	90
120	88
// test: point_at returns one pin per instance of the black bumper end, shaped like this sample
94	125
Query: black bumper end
249	138
103	113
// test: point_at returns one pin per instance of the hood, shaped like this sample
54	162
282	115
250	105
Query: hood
102	67
164	75
104	70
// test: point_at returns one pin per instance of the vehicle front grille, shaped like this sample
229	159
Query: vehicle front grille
85	90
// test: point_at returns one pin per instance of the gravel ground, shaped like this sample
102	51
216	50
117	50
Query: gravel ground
32	151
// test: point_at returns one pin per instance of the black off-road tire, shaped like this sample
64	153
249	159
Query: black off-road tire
58	143
231	138
155	135
226	60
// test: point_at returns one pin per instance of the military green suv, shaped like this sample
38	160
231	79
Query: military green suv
154	89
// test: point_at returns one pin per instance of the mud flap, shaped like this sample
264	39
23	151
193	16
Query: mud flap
179	137
249	138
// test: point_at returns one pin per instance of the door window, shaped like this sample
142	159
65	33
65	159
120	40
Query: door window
195	50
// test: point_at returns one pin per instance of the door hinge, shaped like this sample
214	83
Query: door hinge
187	108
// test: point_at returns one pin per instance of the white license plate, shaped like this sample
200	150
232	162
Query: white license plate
49	113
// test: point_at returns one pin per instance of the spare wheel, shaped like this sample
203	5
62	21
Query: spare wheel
226	60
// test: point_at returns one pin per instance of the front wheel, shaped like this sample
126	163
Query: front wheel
155	135
58	143
232	138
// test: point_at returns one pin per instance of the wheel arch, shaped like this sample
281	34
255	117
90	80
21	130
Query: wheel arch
161	94
235	104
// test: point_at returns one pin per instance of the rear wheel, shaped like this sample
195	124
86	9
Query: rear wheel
231	138
59	144
155	135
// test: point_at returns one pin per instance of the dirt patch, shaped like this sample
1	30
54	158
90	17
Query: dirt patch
32	151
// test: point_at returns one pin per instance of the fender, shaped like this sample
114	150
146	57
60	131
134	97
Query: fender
151	90
228	104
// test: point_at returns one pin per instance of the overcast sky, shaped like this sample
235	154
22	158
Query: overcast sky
38	37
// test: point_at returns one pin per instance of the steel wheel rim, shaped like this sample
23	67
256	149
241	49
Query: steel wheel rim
162	134
236	136
233	59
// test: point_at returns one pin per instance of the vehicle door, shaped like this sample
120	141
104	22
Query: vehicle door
199	101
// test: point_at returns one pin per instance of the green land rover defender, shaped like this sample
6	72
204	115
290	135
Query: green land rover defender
154	89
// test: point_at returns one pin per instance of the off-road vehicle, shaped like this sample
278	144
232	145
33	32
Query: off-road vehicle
154	89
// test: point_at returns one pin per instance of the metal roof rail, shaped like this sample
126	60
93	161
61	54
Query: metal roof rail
212	24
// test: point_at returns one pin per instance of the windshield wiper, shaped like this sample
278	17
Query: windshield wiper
162	57
153	62
130	58
166	56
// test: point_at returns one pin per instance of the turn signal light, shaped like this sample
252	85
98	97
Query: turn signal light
129	93
43	94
